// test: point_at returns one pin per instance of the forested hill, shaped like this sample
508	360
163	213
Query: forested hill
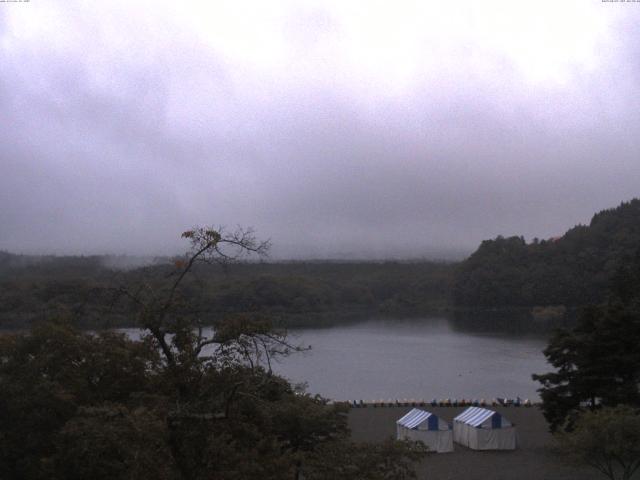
296	293
572	270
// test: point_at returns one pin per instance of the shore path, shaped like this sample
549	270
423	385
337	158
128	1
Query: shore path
532	460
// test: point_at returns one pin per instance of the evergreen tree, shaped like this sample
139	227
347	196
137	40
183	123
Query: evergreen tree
598	362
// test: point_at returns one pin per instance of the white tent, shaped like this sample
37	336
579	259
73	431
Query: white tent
426	427
482	429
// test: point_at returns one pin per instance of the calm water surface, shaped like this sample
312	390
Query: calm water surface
426	358
419	358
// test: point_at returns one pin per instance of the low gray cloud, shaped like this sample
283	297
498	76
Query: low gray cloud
334	130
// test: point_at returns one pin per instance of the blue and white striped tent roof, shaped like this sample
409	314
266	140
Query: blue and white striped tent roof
417	417
477	416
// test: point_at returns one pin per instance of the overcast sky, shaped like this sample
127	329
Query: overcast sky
336	128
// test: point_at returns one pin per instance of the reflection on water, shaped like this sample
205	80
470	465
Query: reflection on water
509	322
420	358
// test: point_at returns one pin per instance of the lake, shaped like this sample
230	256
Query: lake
419	358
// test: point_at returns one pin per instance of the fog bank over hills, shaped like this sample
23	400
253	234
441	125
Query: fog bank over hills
357	253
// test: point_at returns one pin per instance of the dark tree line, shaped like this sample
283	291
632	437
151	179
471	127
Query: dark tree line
294	293
574	270
592	398
597	363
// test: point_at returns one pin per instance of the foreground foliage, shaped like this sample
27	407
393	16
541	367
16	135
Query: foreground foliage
598	362
177	404
607	440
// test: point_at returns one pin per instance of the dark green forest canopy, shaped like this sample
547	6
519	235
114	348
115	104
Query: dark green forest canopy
76	405
597	363
573	270
295	293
